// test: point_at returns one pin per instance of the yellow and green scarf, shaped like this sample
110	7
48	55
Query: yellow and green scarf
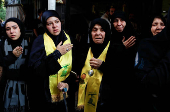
88	98
66	63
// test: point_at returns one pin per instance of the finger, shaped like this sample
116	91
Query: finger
93	59
132	44
94	65
21	48
60	86
69	46
132	41
123	39
93	62
132	38
16	49
66	45
129	39
59	44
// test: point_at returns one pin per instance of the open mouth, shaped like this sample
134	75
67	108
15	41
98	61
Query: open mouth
98	38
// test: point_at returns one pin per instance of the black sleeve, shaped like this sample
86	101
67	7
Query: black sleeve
9	59
48	65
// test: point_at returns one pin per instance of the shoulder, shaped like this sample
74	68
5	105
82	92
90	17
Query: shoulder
39	40
38	43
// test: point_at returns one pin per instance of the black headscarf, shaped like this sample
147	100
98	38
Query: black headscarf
128	30
98	48
16	43
52	13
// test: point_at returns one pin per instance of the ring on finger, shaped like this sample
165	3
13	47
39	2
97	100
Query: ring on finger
67	49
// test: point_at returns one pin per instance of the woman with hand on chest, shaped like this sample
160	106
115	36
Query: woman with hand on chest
51	61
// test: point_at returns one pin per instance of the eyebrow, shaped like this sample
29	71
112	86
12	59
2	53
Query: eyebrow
52	21
97	28
12	26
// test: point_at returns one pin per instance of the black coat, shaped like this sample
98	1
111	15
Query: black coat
42	67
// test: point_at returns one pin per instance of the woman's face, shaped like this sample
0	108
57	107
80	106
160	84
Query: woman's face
157	26
119	24
13	30
53	25
98	34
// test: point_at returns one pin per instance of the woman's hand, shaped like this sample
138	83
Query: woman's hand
63	49
95	63
129	42
62	85
17	51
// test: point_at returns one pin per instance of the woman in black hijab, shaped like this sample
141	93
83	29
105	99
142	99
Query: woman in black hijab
14	49
51	62
123	35
153	72
124	40
99	34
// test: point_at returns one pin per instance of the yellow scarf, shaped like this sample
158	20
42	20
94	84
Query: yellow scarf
66	63
89	97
